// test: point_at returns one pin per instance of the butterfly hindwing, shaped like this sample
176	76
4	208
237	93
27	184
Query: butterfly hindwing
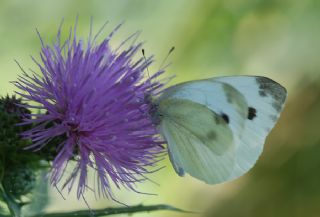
219	97
200	141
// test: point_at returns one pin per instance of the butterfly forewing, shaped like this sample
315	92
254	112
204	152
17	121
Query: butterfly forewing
265	99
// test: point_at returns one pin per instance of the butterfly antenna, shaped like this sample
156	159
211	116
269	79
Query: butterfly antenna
145	59
166	58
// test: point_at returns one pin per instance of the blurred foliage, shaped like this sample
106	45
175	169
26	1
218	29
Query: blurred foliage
274	38
15	163
18	167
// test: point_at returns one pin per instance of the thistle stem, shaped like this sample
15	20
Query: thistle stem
112	211
14	207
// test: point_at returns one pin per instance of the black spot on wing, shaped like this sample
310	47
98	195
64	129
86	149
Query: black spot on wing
252	113
268	87
277	106
225	117
262	93
273	117
221	119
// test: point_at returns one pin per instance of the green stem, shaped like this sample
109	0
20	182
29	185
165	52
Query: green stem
14	207
111	211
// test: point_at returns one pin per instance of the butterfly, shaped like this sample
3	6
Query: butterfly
216	128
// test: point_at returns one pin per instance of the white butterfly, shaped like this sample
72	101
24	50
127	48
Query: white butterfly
216	128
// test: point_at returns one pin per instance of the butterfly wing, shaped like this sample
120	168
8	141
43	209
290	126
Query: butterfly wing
265	98
250	106
200	141
219	97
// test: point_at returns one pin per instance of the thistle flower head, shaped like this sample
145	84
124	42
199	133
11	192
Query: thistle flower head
92	101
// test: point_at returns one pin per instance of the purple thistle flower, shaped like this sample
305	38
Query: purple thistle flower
93	98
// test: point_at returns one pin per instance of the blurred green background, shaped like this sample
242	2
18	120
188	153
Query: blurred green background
279	39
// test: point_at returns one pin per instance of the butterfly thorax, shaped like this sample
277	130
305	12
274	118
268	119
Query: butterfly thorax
153	109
